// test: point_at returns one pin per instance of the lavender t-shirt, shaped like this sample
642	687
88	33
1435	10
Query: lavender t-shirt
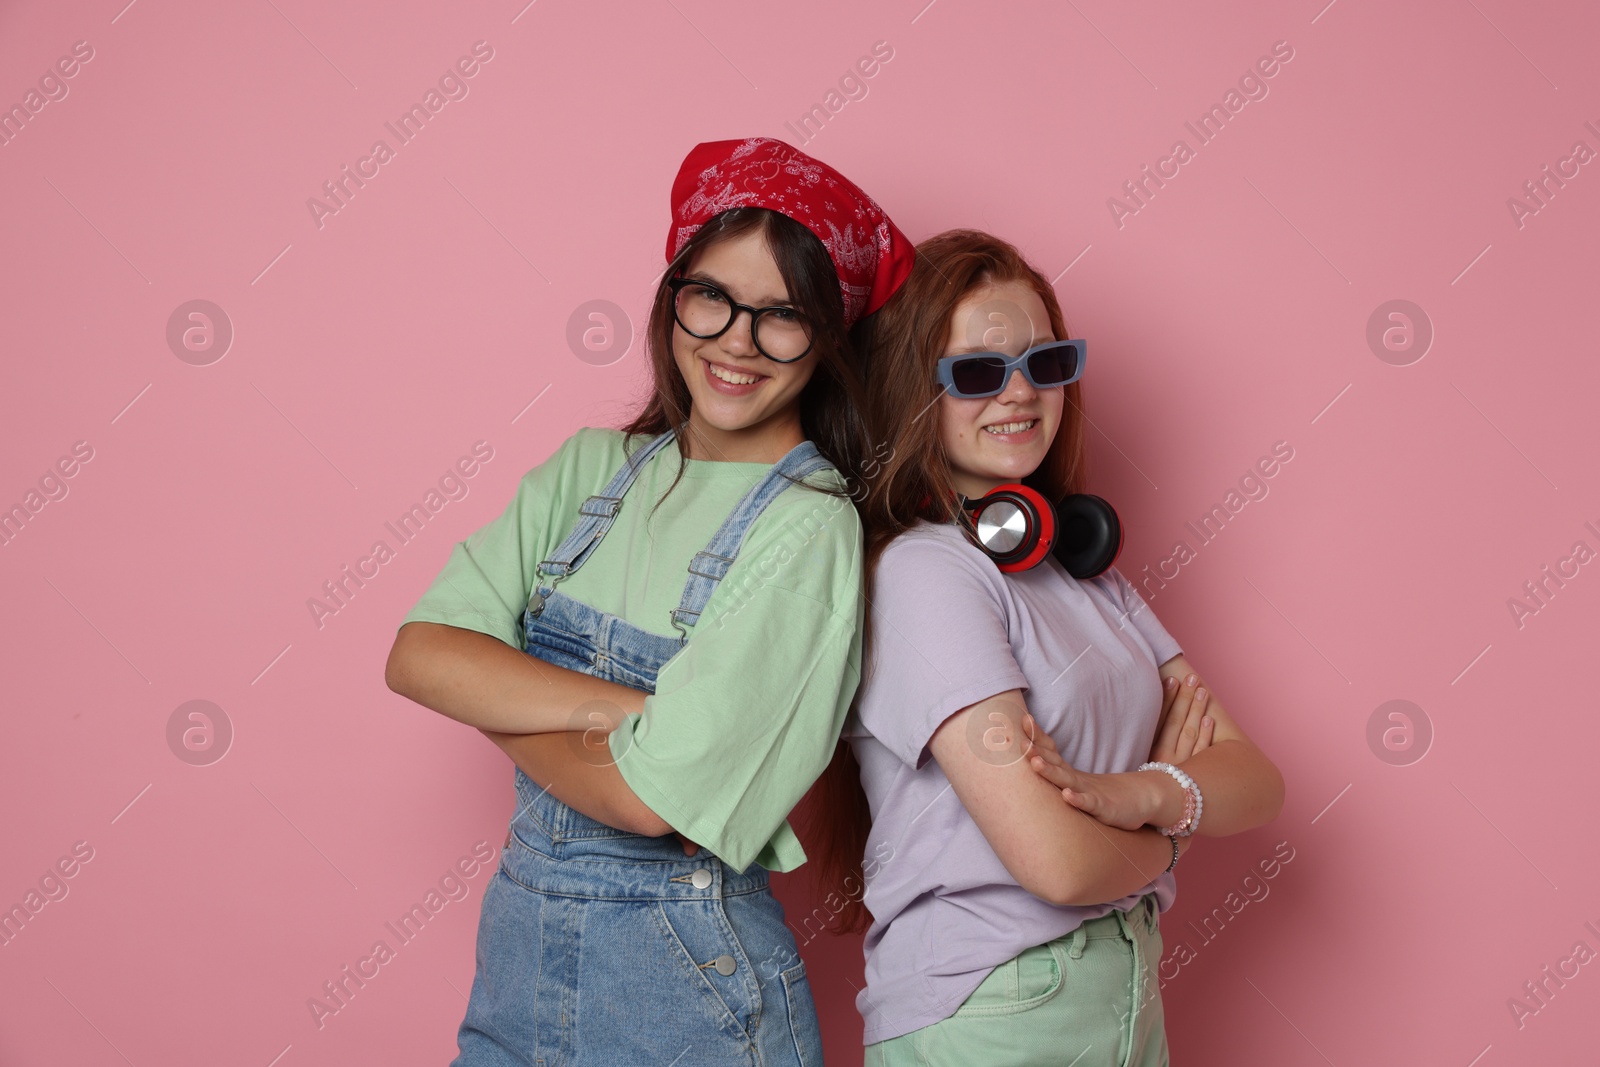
949	629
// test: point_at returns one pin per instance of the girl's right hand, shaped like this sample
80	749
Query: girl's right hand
1186	729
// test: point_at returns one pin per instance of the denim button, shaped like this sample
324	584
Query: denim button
700	879
724	964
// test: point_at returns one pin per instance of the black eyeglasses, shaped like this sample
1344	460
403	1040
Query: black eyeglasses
704	310
979	374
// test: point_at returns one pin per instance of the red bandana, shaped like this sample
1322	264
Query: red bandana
870	253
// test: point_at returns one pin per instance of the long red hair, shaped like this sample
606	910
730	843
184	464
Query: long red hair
908	475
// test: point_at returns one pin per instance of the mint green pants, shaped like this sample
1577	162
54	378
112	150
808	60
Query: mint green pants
1087	999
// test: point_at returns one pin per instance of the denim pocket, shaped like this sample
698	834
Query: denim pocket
802	1008
696	933
1027	980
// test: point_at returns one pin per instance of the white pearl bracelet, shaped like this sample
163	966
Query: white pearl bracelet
1193	803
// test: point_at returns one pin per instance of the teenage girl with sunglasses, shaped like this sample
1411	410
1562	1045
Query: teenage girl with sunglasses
661	631
1007	704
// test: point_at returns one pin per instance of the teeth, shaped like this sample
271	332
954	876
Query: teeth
1011	427
732	378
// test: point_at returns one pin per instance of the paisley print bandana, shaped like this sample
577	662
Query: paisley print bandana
871	255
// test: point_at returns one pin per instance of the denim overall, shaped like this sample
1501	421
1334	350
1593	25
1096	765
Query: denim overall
603	948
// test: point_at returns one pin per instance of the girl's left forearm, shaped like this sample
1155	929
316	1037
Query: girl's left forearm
1239	786
582	776
484	682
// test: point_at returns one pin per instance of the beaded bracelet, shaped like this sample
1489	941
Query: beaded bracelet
1175	854
1193	803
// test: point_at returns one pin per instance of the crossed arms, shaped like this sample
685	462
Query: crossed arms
1075	838
1066	836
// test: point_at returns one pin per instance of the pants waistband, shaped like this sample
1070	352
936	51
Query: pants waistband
1114	923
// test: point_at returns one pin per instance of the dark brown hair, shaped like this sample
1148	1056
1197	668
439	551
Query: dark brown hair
909	470
832	415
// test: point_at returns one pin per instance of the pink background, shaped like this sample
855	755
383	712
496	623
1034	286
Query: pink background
1229	313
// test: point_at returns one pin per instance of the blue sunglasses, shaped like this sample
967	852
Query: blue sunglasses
978	374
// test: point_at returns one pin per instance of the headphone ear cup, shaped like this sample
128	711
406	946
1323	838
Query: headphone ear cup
1090	535
1016	526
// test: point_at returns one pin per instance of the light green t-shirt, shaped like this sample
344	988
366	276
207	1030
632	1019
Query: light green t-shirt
747	714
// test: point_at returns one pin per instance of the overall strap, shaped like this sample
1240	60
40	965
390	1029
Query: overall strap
711	565
597	513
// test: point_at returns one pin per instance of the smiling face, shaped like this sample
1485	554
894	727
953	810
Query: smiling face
744	407
998	439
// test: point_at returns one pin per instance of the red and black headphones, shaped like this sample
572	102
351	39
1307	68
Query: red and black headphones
1017	527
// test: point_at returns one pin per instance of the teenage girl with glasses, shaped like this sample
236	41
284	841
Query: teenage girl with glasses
661	631
1020	857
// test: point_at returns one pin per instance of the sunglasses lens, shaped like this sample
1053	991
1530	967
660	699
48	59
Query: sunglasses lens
978	376
1054	366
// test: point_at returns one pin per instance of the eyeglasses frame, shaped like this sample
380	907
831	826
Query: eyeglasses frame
677	285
